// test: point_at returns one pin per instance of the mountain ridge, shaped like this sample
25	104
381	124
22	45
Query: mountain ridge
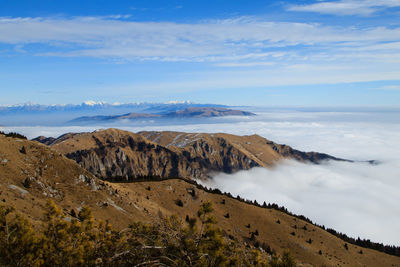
190	112
115	154
59	115
92	105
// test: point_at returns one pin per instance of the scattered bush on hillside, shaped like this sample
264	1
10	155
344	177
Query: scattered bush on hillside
27	182
192	192
267	249
286	261
252	237
179	202
23	150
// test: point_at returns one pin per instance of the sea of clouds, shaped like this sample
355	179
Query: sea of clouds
358	199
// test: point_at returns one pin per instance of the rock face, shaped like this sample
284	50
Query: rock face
118	155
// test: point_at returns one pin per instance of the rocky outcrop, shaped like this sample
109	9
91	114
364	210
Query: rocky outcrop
263	152
118	155
313	157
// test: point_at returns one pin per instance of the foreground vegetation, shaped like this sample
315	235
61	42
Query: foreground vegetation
79	240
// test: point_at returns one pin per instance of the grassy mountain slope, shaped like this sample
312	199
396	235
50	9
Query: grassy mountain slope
31	172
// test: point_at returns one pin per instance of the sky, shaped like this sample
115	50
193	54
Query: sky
262	53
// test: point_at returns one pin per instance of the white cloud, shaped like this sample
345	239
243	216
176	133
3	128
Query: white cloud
347	7
245	64
269	50
111	37
358	199
263	75
389	88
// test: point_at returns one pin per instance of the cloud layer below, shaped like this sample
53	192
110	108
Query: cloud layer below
358	199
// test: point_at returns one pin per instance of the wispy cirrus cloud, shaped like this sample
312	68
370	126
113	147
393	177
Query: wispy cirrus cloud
245	64
347	7
268	53
389	88
110	37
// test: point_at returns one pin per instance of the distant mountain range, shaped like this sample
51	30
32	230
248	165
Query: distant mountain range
191	112
90	111
93	106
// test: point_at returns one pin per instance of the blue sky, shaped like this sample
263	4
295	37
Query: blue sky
271	53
